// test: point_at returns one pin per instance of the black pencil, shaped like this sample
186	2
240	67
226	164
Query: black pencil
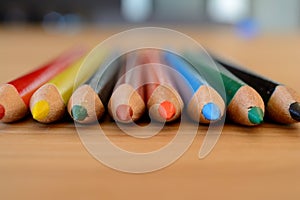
282	103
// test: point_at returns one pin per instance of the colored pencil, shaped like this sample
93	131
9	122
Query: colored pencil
15	95
87	103
204	104
126	103
282	103
244	105
163	101
48	103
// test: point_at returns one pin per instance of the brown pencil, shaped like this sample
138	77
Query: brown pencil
126	104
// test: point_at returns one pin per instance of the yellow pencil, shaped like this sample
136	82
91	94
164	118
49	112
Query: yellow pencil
49	101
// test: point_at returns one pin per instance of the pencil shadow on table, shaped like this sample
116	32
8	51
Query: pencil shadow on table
145	120
262	130
16	124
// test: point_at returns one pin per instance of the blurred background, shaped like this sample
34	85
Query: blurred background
248	16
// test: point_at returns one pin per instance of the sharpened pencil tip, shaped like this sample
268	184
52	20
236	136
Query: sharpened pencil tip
79	113
40	110
295	111
167	110
255	115
2	111
124	112
211	112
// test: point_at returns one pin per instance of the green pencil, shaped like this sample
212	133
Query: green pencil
244	105
87	103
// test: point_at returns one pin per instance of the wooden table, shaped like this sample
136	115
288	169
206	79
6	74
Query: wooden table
49	161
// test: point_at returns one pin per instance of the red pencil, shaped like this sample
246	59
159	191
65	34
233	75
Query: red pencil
162	100
15	95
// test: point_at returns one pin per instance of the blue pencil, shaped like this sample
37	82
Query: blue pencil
204	105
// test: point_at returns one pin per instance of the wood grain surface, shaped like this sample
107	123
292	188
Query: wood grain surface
40	161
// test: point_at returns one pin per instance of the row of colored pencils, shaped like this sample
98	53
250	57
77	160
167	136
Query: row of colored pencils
160	83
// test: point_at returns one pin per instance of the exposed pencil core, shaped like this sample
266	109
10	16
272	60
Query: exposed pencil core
211	112
2	111
40	110
79	113
295	111
255	115
124	112
167	110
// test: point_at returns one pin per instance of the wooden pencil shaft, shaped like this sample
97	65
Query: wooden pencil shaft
261	84
211	74
126	63
245	106
277	98
85	105
103	81
141	68
48	102
163	101
64	82
155	60
126	103
76	75
135	73
185	85
27	84
12	105
156	70
199	97
185	69
87	102
150	76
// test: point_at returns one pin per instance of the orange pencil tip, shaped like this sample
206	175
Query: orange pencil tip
124	112
2	111
167	110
